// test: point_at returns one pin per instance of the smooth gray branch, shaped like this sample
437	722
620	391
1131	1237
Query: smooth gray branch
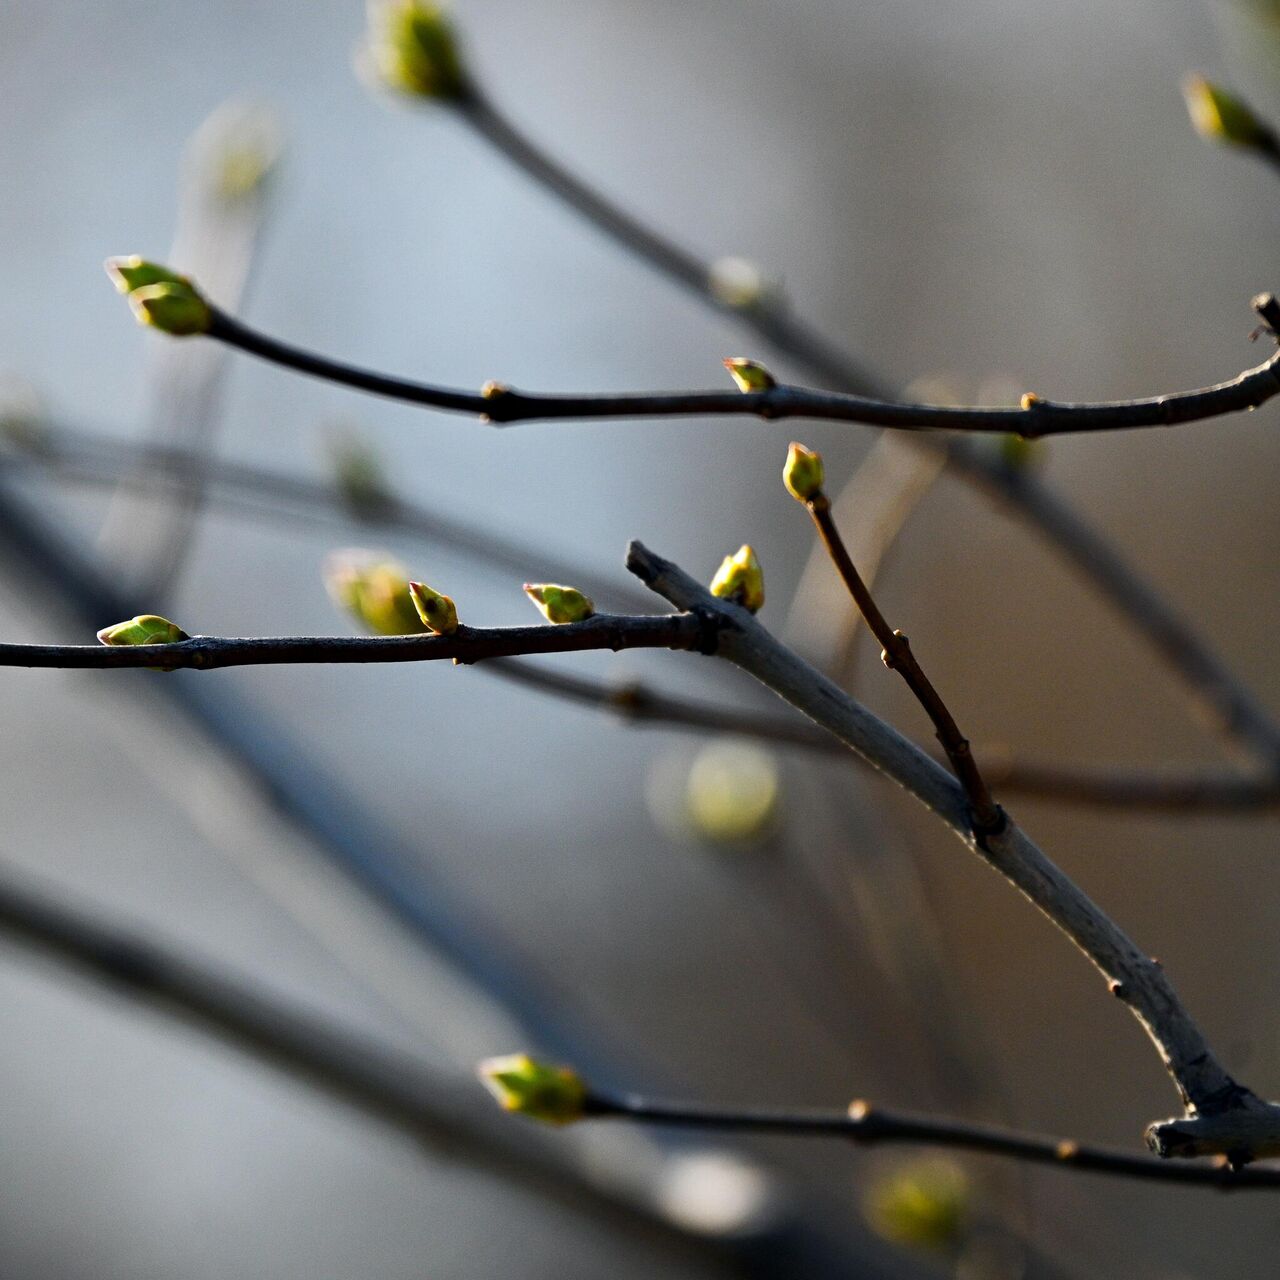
1210	1094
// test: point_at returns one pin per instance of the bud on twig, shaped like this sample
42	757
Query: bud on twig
559	604
413	49
750	375
160	297
554	1095
375	590
1222	117
803	473
437	612
146	628
740	579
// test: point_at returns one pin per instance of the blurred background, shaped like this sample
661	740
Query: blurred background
991	196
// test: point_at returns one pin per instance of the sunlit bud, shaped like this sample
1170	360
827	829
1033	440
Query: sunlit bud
924	1204
437	612
359	477
554	1095
133	272
731	795
749	374
146	628
174	308
1222	117
736	282
804	473
374	589
559	604
740	579
413	49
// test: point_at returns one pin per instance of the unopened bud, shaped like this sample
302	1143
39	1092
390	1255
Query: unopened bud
559	604
750	375
412	48
924	1204
174	308
375	590
1222	117
146	628
740	579
359	477
132	272
437	612
804	473
554	1095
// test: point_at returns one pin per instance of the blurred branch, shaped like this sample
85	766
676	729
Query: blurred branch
467	644
863	1123
1222	1114
502	405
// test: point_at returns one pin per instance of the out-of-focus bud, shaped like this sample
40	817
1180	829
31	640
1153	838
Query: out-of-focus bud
132	272
438	613
234	153
750	375
1222	117
554	1095
559	604
740	579
172	307
1018	453
804	473
736	282
146	628
359	477
412	48
731	795
924	1204
374	589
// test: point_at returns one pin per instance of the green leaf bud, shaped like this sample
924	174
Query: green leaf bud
374	589
412	48
437	612
173	307
740	579
132	272
750	375
924	1204
731	793
146	628
1222	117
559	604
554	1095
803	473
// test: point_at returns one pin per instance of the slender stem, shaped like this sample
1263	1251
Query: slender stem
897	656
468	644
1220	1107
863	1123
502	405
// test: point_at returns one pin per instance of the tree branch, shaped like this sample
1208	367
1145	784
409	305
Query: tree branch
502	405
1214	1100
468	644
863	1123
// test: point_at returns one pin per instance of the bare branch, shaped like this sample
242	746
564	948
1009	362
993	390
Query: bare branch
503	405
1207	1089
863	1123
467	644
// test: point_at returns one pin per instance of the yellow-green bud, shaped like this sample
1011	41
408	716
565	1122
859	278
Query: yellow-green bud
554	1095
146	628
437	612
375	590
1017	452
750	375
924	1204
804	473
133	272
413	49
173	307
731	793
740	579
559	604
1222	117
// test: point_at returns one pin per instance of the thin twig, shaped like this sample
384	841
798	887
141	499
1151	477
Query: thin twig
898	656
863	1123
1223	1116
467	644
504	406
